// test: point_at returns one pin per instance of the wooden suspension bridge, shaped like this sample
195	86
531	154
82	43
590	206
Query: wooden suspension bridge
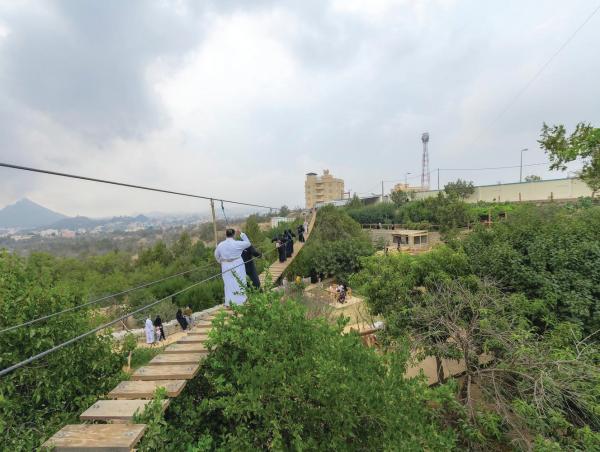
171	369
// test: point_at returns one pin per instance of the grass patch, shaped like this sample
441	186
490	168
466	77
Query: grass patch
141	355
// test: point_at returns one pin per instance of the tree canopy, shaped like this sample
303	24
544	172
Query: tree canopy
583	144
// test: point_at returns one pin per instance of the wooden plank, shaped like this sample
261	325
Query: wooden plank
177	358
111	410
166	372
195	339
185	348
139	389
199	331
96	437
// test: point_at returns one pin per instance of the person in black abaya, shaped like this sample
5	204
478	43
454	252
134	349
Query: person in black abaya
181	319
248	256
158	324
280	245
300	230
290	243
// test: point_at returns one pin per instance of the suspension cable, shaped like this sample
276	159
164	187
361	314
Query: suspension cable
112	322
124	184
103	298
224	215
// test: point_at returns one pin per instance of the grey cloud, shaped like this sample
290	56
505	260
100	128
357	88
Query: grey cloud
83	63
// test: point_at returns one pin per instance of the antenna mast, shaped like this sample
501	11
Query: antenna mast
425	162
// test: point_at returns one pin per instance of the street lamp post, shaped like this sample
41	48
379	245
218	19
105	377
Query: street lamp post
521	170
406	180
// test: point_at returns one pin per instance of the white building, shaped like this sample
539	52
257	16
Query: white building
275	221
544	190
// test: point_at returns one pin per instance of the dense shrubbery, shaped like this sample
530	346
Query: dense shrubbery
335	247
550	255
445	212
539	322
38	399
279	381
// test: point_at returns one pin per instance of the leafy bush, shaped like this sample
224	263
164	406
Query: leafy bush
539	326
277	380
335	247
549	254
38	399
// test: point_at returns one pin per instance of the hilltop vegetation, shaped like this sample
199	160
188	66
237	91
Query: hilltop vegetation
526	292
275	380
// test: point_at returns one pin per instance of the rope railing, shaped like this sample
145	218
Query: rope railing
112	322
103	298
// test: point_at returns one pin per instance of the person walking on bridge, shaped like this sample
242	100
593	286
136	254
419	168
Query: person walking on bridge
229	254
289	237
300	230
281	248
248	255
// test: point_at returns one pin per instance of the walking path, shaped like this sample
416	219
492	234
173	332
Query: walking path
171	369
278	268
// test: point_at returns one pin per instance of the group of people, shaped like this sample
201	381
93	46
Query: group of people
285	241
237	260
284	244
184	318
154	330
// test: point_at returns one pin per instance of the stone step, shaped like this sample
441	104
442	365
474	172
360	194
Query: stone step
195	339
176	358
139	389
166	372
185	348
116	410
96	437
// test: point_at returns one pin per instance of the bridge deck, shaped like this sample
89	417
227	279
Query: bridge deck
171	369
277	269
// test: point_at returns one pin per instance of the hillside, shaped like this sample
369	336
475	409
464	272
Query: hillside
27	214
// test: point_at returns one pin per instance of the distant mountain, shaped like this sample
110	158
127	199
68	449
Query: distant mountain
74	223
26	214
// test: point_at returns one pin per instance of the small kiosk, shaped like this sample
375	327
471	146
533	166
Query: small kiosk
411	240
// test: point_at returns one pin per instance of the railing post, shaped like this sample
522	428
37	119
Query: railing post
214	218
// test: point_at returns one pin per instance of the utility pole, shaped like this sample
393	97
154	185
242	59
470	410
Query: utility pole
521	170
438	179
406	180
382	191
214	217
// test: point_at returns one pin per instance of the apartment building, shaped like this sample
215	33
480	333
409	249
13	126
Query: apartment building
322	188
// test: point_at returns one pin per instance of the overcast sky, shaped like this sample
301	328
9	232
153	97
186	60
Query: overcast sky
239	99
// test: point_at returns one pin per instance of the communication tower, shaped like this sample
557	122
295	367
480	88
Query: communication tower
425	162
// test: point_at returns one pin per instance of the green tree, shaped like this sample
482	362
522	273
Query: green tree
583	144
550	255
460	189
399	197
253	230
276	380
355	202
284	211
38	399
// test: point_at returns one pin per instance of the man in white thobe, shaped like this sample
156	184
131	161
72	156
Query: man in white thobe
229	254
